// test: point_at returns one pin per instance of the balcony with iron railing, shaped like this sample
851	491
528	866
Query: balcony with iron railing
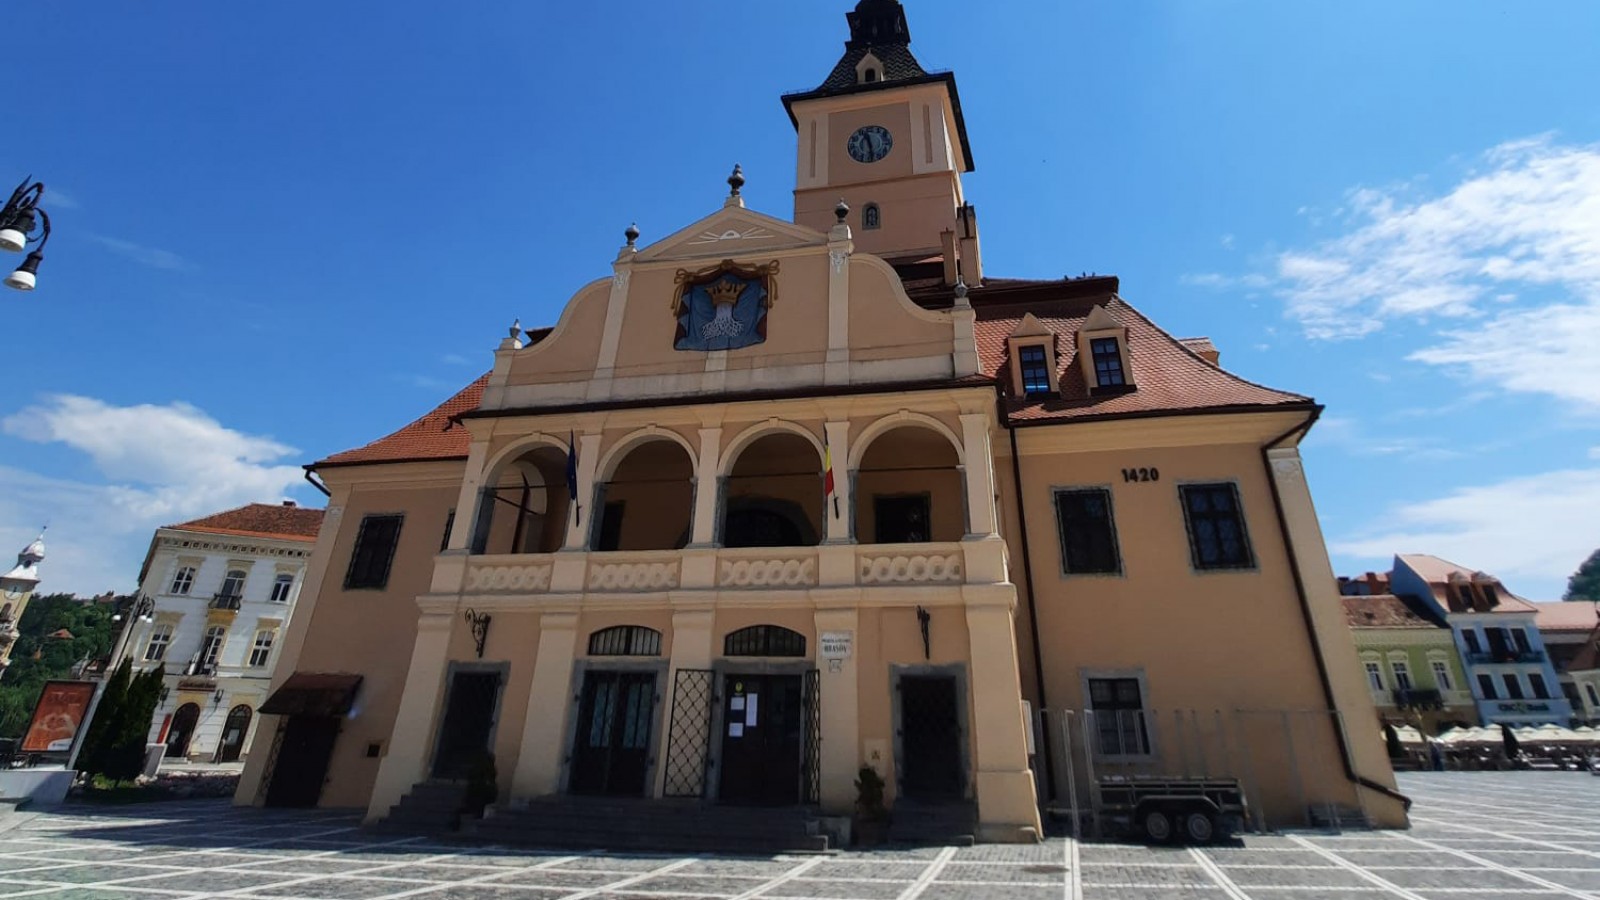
1483	657
1418	698
226	601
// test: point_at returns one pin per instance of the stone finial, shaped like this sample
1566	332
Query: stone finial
515	331
632	234
736	180
961	293
842	211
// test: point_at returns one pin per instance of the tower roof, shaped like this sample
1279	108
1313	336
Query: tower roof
27	568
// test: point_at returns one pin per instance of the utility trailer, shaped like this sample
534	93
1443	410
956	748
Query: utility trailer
1162	810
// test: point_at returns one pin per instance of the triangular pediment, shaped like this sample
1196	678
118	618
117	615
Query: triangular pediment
1030	326
1100	320
730	232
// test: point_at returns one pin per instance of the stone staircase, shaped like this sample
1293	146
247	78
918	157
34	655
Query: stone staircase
947	823
431	807
589	823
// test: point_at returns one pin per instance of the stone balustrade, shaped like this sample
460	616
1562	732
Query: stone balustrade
720	569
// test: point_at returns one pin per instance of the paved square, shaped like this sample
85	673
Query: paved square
1475	835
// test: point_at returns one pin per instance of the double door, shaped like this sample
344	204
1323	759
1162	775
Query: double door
301	764
763	727
611	746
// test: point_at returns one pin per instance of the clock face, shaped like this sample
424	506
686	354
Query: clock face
870	144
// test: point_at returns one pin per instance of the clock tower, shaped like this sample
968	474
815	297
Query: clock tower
887	137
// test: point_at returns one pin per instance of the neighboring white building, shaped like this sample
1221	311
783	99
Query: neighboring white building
223	588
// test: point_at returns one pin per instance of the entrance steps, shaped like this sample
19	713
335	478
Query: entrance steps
945	823
589	823
431	807
1338	817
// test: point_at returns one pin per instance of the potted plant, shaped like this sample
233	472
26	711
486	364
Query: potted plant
872	817
483	787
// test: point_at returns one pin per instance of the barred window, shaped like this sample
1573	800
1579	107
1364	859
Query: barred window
1217	536
764	640
374	552
1119	716
1088	533
625	640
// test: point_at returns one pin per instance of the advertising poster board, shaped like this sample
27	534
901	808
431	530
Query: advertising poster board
58	716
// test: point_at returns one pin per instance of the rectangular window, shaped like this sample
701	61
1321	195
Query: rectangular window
183	580
211	650
233	583
1594	696
1513	686
1486	685
374	552
160	640
901	520
1520	637
1402	675
1088	532
1119	716
262	650
1541	691
1107	362
449	523
281	588
1217	536
1035	370
1441	676
1490	595
1469	636
1375	677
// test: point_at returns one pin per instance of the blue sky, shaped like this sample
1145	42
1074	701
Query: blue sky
286	229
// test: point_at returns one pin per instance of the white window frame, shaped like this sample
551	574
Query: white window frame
1400	669
1594	696
211	646
238	588
1442	679
1375	680
261	650
282	587
183	580
160	639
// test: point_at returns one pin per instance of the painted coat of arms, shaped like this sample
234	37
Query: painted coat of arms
724	307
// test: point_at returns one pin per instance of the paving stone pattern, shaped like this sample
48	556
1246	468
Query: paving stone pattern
1475	835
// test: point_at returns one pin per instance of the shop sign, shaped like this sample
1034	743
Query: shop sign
1523	707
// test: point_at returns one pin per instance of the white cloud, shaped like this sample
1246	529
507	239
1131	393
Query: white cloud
160	464
1349	436
1537	527
1219	281
153	257
1513	248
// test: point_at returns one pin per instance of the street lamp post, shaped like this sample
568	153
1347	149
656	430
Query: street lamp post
23	222
142	609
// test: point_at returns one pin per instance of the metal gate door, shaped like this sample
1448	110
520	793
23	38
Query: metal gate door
689	736
930	738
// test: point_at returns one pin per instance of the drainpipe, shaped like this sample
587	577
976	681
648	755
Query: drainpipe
1027	581
1305	612
314	481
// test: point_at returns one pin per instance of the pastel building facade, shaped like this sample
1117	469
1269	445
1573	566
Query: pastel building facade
778	498
1409	660
223	589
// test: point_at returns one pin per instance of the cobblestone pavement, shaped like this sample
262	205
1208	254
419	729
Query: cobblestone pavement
1475	835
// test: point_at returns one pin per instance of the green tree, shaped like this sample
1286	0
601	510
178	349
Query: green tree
1585	583
124	759
96	746
42	653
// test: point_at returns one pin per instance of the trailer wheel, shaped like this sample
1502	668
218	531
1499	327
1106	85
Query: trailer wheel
1199	827
1157	825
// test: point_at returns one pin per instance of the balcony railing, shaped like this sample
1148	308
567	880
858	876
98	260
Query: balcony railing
1418	698
226	601
1505	656
723	569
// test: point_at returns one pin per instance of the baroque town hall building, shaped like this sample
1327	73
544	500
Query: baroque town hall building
777	499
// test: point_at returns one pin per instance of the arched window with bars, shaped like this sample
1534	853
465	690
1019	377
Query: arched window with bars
764	640
625	640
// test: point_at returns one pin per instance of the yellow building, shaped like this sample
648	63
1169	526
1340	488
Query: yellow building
776	499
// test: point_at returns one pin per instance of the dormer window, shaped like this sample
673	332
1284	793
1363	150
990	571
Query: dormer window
869	70
1035	369
1107	362
871	217
870	76
1103	354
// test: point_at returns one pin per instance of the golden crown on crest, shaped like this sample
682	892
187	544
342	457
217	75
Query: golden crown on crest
725	292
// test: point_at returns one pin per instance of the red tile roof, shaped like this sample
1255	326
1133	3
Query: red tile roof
1439	574
1386	611
1568	615
1171	377
295	523
434	436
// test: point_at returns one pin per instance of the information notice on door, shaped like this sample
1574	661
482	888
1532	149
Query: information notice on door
836	644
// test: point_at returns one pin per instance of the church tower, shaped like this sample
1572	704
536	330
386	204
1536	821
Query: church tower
888	138
16	588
